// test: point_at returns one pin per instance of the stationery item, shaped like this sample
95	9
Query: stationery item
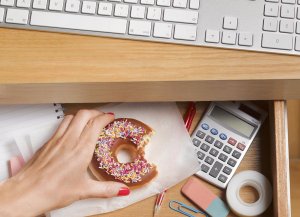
197	192
188	120
255	180
184	209
171	140
16	123
223	137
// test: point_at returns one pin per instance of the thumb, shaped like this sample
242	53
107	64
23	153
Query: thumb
103	189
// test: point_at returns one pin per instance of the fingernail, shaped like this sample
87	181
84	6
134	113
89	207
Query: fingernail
110	113
124	191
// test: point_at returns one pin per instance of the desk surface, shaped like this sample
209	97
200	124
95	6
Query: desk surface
60	64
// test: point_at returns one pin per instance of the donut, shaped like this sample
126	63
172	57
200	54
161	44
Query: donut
131	135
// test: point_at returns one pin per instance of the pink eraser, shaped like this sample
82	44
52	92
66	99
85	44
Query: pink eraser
197	192
16	163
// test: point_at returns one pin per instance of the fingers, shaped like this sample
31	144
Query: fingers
63	126
96	189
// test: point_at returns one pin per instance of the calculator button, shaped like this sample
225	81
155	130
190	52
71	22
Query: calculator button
218	144
196	142
227	149
209	160
214	131
223	136
223	157
209	139
201	155
222	178
205	126
200	134
215	170
213	152
231	141
241	146
231	162
236	154
204	147
227	170
204	168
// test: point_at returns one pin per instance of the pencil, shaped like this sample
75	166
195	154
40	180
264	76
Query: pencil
188	120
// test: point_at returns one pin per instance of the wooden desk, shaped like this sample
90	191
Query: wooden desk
68	68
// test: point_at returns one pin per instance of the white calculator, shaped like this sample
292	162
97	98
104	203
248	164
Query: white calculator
223	137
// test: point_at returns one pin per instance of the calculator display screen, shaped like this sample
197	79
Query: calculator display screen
232	121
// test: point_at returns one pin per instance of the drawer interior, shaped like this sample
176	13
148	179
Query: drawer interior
268	155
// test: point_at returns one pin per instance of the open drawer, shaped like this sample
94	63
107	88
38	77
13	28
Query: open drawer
268	154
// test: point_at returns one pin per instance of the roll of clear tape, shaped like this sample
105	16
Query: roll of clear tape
257	181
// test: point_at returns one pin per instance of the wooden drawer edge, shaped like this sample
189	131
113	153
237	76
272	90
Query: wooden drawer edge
280	159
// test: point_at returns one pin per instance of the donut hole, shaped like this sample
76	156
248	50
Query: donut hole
249	194
126	153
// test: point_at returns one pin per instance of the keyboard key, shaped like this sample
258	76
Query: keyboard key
40	4
231	162
209	139
227	170
23	3
138	11
196	142
215	170
222	178
223	136
73	6
272	0
88	7
139	27
74	21
2	11
209	160
194	4
163	30
298	28
56	5
227	149
204	147
179	3
230	23
229	37
131	1
154	14
241	146
287	11
105	8
286	26
214	131
218	144
277	41
297	44
212	36
288	1
201	155
121	10
7	2
204	168
17	16
270	24
185	32
166	3
213	152
223	157
147	2
236	154
298	13
200	134
271	10
205	126
245	39
181	16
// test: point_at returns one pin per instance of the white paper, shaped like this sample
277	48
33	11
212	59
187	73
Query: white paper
170	149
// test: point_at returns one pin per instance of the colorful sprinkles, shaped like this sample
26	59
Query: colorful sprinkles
130	172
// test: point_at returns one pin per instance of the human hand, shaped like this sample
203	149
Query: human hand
57	175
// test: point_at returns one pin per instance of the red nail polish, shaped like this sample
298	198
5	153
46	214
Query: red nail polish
110	113
124	191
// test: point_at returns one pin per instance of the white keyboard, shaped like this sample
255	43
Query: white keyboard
258	25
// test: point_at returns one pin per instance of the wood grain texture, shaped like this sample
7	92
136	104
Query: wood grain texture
294	127
257	158
295	186
73	68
